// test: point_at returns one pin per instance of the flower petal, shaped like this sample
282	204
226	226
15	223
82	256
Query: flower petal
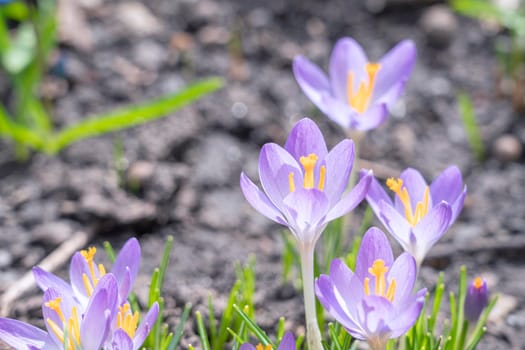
347	56
260	201
145	326
22	336
128	259
447	186
339	111
375	312
375	245
339	163
458	205
430	229
46	280
404	272
374	116
415	185
391	96
287	342
396	224
121	340
351	199
77	268
275	166
376	194
304	139
396	66
247	346
312	80
307	208
408	315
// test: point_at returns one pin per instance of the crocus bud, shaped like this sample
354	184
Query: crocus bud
476	299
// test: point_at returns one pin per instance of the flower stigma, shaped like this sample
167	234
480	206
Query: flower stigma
379	270
396	186
361	98
71	328
96	272
127	321
308	164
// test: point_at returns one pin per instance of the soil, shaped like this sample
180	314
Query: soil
179	175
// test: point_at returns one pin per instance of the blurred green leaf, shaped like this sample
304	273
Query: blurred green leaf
22	49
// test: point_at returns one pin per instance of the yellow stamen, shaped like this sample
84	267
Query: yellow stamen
55	306
56	329
261	347
391	290
74	327
478	282
378	270
101	270
291	182
89	255
367	286
322	176
361	99
396	186
308	164
127	321
87	284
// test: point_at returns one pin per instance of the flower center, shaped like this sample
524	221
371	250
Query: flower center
379	270
478	282
69	331
126	320
396	186
96	272
360	99
262	347
308	164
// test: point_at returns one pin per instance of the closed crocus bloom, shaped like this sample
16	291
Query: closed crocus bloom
357	94
287	343
375	303
420	214
476	300
69	325
303	183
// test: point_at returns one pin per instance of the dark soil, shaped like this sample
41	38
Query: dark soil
187	165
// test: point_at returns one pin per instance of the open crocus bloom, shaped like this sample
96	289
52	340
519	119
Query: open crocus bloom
374	303
287	343
85	273
357	94
420	214
69	326
304	183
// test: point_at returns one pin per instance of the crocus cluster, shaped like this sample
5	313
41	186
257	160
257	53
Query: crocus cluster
91	312
375	302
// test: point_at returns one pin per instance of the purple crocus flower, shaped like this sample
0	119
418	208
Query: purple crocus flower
69	326
85	273
357	94
287	343
476	300
304	183
374	303
420	214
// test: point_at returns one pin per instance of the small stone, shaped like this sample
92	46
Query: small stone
138	18
213	35
182	41
504	306
507	148
285	292
52	233
139	173
5	258
221	208
440	25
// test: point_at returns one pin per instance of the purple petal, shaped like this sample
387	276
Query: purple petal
408	315
247	346
304	139
430	229
312	80
374	116
96	322
109	283
396	224
347	56
447	186
121	340
390	97
348	289
307	208
22	336
396	67
458	205
275	166
287	342
259	200
49	314
46	280
374	246
77	268
145	326
375	312
404	272
339	111
375	194
127	259
339	163
350	200
415	185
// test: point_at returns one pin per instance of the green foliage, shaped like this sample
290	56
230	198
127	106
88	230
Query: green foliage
466	112
24	54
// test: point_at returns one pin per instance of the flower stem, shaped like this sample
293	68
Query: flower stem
313	335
